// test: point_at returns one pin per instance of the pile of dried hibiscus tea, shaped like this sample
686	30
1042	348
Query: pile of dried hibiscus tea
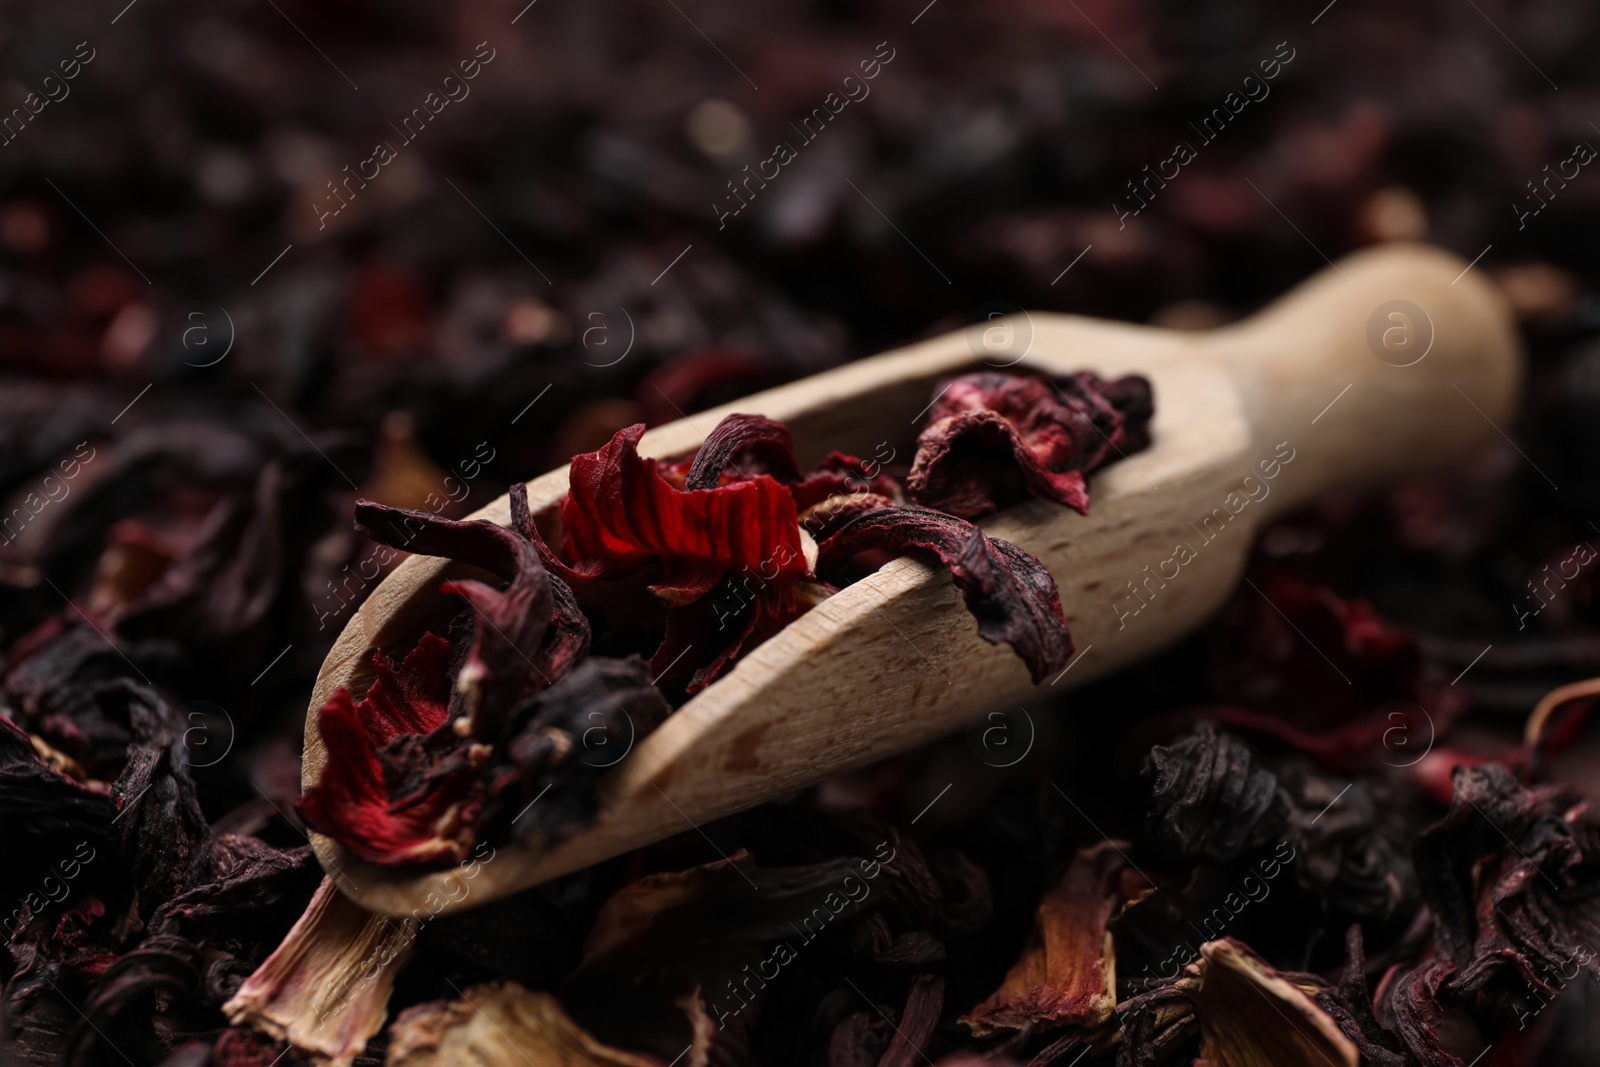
1349	822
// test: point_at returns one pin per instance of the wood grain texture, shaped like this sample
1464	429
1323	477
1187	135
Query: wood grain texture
895	660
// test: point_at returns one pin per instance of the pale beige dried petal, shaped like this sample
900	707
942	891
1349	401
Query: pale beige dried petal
1252	1016
501	1025
1067	972
326	989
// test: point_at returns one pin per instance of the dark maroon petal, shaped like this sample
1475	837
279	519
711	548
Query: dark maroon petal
974	463
165	838
569	635
1008	591
840	474
350	800
1418	1014
1510	874
1350	1006
228	581
704	638
859	1039
1299	651
1209	799
993	439
751	444
508	660
917	1023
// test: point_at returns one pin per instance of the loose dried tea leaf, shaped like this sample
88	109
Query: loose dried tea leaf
1151	1026
40	808
55	673
1326	675
241	566
1251	1015
729	932
859	1040
326	988
496	1025
917	1022
845	477
1067	972
994	439
1007	590
1209	799
1413	1004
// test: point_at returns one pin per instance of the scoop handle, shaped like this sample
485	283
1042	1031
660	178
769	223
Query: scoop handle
1396	360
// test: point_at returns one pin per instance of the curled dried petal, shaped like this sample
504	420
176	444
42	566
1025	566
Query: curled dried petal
1008	591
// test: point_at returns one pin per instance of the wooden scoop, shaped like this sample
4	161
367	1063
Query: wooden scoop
1396	361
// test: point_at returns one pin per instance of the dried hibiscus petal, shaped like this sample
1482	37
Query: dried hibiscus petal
401	785
1007	590
326	988
350	801
1067	973
501	1023
1324	674
1209	799
620	513
1350	1006
1253	1016
525	636
993	439
751	444
1510	875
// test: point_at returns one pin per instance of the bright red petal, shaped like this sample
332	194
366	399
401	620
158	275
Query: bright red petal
622	513
350	801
